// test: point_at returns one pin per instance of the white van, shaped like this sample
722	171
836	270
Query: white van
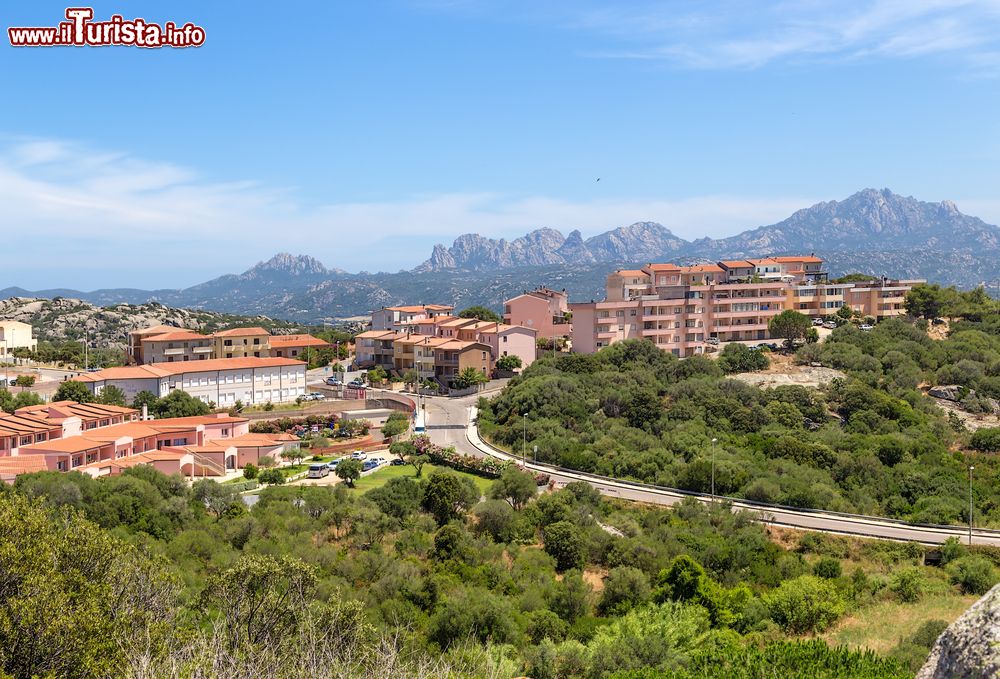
318	471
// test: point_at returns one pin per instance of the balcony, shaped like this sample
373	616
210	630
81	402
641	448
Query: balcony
178	351
203	350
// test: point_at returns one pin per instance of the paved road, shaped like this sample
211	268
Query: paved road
449	424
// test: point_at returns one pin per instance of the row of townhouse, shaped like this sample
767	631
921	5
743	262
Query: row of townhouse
101	440
166	344
439	346
680	307
223	381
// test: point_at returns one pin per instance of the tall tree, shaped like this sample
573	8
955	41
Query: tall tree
789	325
73	391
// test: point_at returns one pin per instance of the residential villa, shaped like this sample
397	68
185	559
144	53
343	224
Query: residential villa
101	440
679	308
545	310
15	335
222	381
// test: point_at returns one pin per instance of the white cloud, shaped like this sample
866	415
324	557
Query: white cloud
729	34
113	219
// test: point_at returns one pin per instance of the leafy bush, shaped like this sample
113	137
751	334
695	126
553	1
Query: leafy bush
974	574
805	604
271	477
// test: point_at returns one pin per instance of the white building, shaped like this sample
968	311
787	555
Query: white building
223	381
15	335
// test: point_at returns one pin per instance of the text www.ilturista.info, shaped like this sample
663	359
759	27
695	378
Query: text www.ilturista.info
80	30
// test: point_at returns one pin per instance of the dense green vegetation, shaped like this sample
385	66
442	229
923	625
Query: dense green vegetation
870	444
142	575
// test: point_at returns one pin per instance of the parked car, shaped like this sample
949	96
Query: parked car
379	461
359	455
334	381
396	462
318	471
332	464
817	321
831	325
356	383
368	465
866	327
714	341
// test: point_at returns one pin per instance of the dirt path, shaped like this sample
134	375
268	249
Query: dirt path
784	371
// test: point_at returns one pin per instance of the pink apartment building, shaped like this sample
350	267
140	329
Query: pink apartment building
403	318
542	309
680	308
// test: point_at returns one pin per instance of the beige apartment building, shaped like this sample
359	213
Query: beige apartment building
15	335
242	343
681	308
403	318
176	346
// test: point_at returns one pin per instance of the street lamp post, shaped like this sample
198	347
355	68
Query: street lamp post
714	441
535	457
970	503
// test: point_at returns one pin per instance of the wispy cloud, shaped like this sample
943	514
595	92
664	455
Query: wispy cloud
84	217
738	34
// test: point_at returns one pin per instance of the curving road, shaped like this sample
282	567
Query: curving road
450	422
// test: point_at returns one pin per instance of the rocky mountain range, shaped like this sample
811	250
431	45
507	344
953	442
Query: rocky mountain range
873	231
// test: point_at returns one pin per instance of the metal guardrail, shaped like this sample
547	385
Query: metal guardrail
951	528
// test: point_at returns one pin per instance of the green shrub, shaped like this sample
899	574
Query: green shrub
908	585
974	574
805	604
250	471
827	568
272	477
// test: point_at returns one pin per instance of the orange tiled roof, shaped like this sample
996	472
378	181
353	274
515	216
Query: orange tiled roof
282	341
811	259
175	336
764	261
630	272
663	267
240	332
156	330
14	466
701	268
156	370
735	263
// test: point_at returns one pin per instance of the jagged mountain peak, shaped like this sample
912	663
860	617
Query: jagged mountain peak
293	265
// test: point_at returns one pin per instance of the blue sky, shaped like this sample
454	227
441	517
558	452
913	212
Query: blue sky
364	132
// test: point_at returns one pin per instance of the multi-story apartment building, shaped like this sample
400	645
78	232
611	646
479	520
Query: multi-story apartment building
403	318
135	338
242	343
61	419
176	346
680	307
15	335
435	346
542	309
222	381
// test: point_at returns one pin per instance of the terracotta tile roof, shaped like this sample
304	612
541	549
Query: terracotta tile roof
458	322
701	268
763	262
156	370
811	259
251	441
379	334
735	264
281	341
14	466
156	330
240	332
175	336
412	309
73	444
202	419
630	272
663	267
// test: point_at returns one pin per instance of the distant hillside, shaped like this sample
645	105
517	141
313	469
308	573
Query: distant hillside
63	318
872	231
